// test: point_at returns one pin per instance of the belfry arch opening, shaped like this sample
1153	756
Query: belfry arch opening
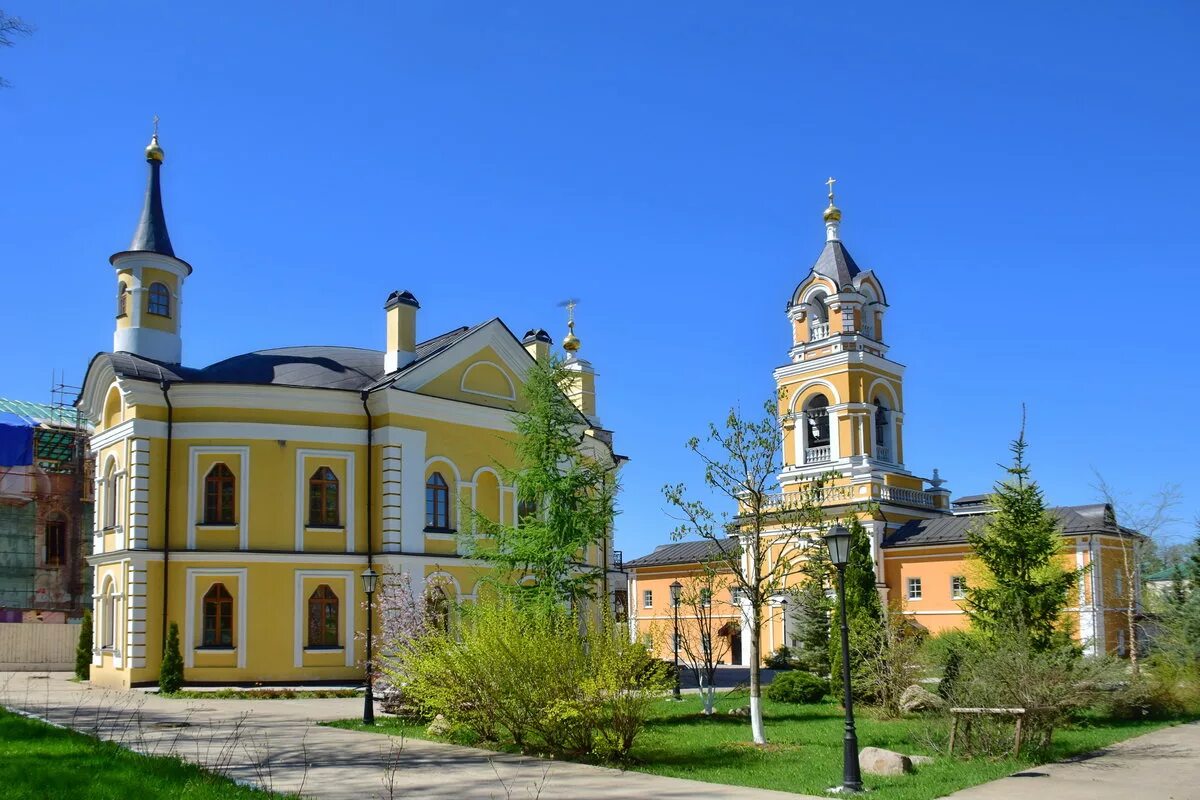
816	430
884	444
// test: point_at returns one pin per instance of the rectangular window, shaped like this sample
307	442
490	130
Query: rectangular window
1120	584
958	587
647	599
735	596
914	588
706	598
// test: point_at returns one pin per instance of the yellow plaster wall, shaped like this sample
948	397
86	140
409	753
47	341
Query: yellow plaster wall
449	384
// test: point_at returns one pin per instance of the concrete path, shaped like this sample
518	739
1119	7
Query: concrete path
277	744
1163	765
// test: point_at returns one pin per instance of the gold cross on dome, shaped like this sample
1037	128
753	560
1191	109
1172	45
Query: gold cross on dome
156	124
832	180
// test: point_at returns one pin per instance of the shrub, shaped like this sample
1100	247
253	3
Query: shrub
529	671
783	658
797	687
83	651
170	674
1145	697
886	657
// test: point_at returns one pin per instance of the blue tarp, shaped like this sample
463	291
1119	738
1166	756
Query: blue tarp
16	441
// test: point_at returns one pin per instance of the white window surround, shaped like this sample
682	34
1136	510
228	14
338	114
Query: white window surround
195	482
347	493
192	611
647	598
914	588
347	601
512	390
958	587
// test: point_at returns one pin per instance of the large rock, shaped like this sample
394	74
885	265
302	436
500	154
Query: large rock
877	761
744	711
439	727
918	699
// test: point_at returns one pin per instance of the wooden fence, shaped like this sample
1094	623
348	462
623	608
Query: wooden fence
36	646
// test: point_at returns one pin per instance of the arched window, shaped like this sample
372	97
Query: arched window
526	509
122	299
818	318
437	502
56	538
108	616
218	617
323	505
883	441
218	495
110	494
816	430
437	609
323	618
159	301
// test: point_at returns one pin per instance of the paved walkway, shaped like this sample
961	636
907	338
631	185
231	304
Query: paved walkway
278	745
1163	765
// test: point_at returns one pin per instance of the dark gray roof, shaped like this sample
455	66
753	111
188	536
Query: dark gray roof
836	264
348	368
683	553
151	234
970	499
953	528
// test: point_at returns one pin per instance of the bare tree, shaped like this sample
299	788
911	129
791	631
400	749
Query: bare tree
10	28
700	640
1137	524
761	544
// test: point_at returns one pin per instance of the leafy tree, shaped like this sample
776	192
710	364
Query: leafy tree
83	651
701	598
566	487
864	612
762	546
1194	560
170	674
1024	585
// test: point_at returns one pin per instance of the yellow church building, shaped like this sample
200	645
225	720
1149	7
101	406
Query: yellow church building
242	500
841	402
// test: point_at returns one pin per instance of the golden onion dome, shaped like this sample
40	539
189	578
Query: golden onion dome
833	213
153	151
571	342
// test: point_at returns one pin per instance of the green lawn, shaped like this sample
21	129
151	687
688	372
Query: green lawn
805	750
41	762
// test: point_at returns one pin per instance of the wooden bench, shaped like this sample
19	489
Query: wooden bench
970	713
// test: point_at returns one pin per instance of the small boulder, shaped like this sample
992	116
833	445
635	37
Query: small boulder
877	761
744	711
439	727
919	699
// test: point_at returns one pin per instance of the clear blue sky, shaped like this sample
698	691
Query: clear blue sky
1022	176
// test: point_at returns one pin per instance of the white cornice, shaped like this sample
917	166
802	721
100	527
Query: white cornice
842	359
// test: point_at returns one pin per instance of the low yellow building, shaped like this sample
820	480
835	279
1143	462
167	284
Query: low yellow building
242	500
841	403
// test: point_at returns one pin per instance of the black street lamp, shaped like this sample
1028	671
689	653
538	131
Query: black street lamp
676	588
838	541
369	577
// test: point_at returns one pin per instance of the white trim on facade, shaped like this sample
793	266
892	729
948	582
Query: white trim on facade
241	638
346	604
243	484
348	497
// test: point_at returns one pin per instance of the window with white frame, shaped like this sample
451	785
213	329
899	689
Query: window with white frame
735	595
647	599
1120	584
958	587
706	598
914	588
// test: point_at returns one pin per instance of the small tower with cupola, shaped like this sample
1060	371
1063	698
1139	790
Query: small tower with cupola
149	301
841	396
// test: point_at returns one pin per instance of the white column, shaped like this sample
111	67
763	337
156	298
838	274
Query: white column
392	494
135	613
137	530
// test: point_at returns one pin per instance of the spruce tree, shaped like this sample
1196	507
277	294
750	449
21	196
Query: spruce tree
864	610
1193	565
170	674
1024	585
83	651
565	493
813	607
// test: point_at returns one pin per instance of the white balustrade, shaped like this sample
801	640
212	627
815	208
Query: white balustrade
912	497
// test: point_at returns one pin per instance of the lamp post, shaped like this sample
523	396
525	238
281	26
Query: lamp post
369	577
783	604
838	541
676	588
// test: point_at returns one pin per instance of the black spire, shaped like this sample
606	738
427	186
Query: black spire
151	234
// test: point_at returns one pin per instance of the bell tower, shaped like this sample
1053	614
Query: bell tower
150	278
841	398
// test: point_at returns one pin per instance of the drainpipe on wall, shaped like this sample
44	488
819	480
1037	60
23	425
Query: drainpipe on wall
369	698
166	389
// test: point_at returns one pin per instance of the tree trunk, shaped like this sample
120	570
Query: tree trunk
756	721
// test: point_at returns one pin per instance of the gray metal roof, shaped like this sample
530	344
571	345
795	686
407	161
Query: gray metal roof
689	552
320	367
953	528
836	264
